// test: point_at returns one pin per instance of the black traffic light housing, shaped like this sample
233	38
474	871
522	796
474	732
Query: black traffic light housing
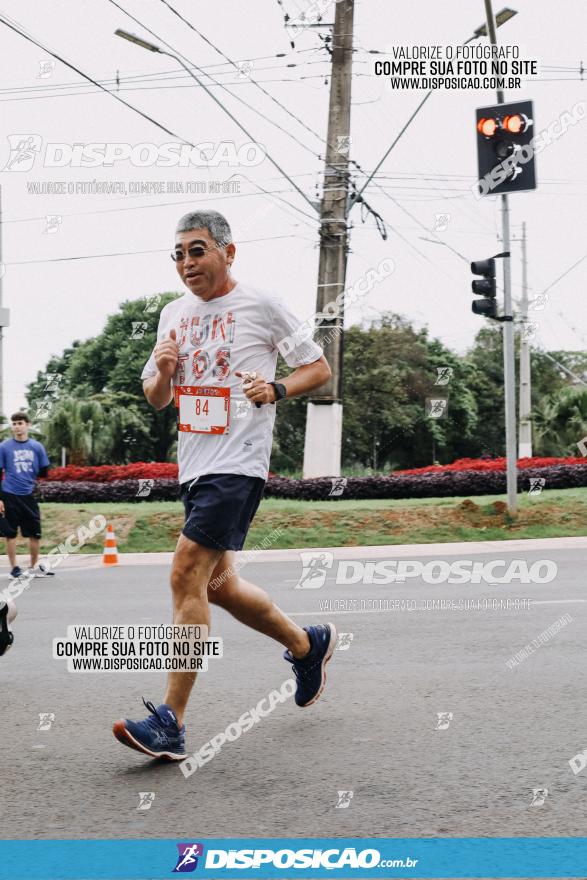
484	287
505	157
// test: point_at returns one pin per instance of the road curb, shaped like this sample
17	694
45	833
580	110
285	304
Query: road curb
384	551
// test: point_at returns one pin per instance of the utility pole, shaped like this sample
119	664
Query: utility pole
323	442
509	363
4	318
525	438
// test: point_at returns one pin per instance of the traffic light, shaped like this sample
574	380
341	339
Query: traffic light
484	287
505	156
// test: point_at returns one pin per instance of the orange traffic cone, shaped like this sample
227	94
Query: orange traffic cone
110	556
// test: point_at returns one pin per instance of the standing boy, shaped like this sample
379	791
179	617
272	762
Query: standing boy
23	460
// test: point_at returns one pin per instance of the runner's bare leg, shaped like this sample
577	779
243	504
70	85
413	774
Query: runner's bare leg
253	607
11	551
192	569
34	547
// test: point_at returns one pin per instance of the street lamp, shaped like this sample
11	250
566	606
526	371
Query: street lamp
144	44
132	38
500	19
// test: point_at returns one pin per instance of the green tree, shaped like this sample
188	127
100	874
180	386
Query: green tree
560	422
106	370
389	371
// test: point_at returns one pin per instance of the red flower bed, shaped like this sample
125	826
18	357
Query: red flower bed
107	473
494	464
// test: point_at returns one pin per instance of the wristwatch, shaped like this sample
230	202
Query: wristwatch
280	391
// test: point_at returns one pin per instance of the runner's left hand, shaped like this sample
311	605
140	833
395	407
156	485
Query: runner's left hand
256	388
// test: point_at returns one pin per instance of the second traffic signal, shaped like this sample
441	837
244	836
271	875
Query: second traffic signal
484	287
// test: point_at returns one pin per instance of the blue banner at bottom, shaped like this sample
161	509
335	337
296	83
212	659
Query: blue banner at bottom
292	857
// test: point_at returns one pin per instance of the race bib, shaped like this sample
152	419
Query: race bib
202	409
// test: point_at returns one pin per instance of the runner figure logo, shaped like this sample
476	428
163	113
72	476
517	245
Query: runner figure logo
243	408
139	328
23	151
313	574
46	719
52	223
539	795
146	799
344	800
46	68
343	144
145	488
444	719
187	861
436	407
441	222
338	486
537	484
53	381
344	641
152	302
43	408
539	301
444	375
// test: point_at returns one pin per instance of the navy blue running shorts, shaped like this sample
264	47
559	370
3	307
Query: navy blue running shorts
219	509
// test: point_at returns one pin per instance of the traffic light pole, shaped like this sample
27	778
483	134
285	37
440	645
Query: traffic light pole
323	442
509	363
525	437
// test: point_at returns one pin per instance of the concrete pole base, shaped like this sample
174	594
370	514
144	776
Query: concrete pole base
322	446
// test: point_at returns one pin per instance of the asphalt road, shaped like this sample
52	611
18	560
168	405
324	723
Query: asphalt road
372	733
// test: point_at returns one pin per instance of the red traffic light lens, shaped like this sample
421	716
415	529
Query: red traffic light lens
515	124
488	127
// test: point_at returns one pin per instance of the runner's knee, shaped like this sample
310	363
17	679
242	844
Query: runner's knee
190	572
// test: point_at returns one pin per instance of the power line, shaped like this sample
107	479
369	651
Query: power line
129	253
93	81
137	79
215	82
566	272
215	198
180	58
154	88
230	61
562	367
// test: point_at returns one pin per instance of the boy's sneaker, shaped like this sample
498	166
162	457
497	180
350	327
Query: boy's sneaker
310	671
41	572
16	572
159	735
6	637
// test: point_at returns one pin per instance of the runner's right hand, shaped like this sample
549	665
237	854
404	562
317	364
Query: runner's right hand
166	355
1	508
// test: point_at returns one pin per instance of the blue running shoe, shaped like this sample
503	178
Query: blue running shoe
310	671
159	735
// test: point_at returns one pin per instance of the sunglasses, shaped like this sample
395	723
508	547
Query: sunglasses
197	250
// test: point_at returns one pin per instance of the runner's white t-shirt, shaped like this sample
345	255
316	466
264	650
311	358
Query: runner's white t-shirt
236	332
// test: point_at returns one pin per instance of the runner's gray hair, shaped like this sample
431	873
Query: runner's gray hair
215	223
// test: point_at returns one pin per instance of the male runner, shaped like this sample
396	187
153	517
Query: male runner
222	331
23	460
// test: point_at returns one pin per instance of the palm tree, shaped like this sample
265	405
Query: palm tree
560	421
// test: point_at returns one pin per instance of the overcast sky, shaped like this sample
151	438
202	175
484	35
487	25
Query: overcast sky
53	300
